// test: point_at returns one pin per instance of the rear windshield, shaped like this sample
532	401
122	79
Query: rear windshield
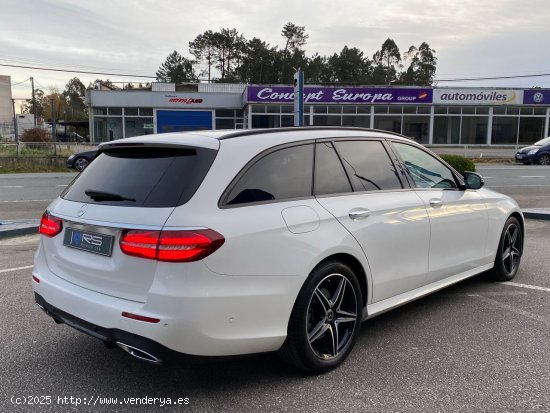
142	177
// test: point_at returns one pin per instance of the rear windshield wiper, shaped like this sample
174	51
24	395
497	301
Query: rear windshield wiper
106	196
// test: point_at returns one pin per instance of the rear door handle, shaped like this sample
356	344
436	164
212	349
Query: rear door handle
359	213
436	203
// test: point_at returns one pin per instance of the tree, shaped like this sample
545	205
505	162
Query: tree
203	49
387	61
259	63
176	69
292	56
74	94
426	65
350	66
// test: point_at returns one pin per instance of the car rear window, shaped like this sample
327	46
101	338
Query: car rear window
142	177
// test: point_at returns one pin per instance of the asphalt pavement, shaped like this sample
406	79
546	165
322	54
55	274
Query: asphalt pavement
476	346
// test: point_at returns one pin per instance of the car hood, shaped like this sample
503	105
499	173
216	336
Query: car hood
528	148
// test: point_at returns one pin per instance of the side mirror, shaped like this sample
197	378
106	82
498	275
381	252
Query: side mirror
473	180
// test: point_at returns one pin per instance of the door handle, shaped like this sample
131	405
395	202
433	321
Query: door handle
359	213
436	203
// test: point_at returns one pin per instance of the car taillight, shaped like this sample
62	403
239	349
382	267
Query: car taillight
174	246
50	226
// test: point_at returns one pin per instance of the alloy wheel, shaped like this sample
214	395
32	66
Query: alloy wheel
544	160
331	316
511	248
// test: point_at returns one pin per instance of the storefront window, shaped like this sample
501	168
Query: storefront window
474	130
225	124
417	127
107	128
362	121
446	130
530	130
505	130
138	126
321	120
389	123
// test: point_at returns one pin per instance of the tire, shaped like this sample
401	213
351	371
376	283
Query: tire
510	250
544	159
326	319
80	163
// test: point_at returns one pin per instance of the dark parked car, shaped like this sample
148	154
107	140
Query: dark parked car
539	153
81	160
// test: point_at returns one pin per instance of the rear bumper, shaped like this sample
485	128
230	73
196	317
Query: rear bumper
113	337
201	313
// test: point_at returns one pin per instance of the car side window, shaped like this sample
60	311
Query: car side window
368	165
283	174
330	177
425	170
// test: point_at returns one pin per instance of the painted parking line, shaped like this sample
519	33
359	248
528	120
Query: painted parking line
27	200
531	287
26	267
513	309
12	186
532	176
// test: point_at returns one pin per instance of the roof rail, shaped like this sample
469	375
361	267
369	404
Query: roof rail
250	132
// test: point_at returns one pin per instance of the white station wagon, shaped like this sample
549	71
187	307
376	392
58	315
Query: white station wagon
225	243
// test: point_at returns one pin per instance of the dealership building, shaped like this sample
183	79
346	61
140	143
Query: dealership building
439	116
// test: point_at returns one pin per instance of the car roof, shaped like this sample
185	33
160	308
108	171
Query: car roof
211	139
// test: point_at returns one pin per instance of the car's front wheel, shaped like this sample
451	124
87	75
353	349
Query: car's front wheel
80	163
544	159
510	250
325	320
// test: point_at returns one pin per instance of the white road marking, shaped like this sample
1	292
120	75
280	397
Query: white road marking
27	200
513	309
531	287
533	176
515	186
12	186
16	269
488	177
62	185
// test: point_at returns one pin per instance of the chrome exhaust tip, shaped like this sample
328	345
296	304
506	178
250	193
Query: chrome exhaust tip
139	354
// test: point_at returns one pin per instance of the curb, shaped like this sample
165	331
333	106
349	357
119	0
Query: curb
545	216
17	232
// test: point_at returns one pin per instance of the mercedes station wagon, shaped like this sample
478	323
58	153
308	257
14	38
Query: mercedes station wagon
225	243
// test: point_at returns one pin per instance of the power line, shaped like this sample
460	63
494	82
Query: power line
18	83
77	71
492	77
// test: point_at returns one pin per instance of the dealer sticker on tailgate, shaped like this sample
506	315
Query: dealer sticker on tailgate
89	241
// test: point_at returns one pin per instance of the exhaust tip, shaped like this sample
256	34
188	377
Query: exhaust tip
139	354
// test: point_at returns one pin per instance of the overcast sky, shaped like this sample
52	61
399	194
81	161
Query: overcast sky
472	38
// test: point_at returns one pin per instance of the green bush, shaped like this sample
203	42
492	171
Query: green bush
460	163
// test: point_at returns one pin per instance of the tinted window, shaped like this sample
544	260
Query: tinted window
330	177
369	166
148	177
425	170
283	174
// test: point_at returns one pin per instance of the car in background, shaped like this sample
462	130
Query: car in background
223	243
538	153
80	161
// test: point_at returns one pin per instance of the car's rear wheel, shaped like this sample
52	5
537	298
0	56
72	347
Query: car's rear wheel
544	159
325	320
510	250
80	163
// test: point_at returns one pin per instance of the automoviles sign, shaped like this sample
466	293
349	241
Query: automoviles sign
357	95
478	96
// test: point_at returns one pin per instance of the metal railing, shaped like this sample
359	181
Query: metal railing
43	148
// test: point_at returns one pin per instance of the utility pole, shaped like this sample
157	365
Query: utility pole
15	122
33	101
54	127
